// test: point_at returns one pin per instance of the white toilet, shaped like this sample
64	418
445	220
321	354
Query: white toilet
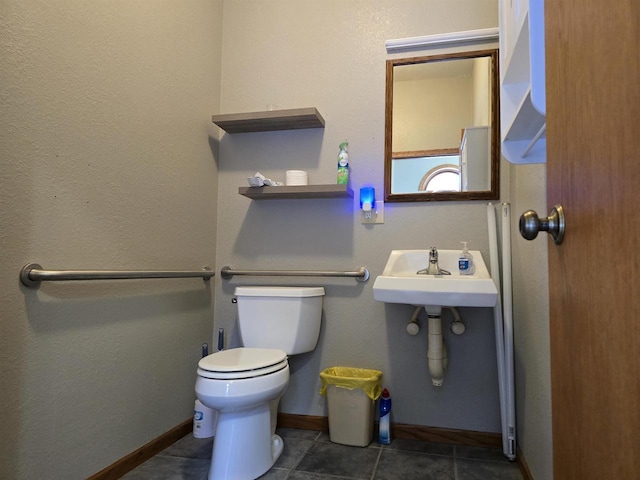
245	384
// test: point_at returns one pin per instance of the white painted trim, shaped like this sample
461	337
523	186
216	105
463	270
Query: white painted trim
483	34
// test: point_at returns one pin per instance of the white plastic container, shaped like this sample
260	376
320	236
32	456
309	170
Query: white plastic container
204	421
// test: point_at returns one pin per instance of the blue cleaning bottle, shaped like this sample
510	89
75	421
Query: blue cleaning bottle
384	437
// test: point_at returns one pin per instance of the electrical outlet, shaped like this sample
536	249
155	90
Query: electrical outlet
377	214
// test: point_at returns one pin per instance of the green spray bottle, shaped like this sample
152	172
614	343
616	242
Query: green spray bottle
343	164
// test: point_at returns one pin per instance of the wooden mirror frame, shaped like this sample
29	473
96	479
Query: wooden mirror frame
494	192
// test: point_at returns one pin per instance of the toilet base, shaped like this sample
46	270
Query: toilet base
244	447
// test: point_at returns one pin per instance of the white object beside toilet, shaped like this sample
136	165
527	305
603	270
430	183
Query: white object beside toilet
244	385
204	421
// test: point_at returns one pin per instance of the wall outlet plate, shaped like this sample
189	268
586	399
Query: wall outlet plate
377	214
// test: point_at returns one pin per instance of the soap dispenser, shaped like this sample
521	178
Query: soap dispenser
465	261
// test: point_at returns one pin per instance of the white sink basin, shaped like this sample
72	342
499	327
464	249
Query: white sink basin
399	282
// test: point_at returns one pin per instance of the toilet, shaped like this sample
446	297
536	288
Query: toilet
244	385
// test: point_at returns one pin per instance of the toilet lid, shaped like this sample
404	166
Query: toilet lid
240	363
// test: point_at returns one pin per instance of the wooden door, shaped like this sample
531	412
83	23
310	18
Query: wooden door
593	170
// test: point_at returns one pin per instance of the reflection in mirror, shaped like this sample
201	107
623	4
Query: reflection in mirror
441	132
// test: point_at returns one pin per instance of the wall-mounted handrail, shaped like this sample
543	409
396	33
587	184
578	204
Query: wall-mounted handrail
362	274
32	274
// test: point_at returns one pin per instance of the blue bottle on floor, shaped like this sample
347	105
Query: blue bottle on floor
384	437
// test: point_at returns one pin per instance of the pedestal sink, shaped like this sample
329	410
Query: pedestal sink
399	282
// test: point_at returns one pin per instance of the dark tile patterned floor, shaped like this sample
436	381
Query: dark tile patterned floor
310	455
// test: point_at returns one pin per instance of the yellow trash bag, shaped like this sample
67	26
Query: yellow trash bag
369	381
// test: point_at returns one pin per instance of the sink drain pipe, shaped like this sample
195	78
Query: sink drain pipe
437	350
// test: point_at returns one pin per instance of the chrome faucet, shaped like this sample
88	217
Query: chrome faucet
433	268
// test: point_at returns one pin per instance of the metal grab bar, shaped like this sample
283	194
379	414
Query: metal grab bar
32	274
362	275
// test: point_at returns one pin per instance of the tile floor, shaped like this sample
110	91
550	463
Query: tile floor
310	455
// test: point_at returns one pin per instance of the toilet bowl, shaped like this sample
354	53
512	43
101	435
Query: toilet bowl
244	384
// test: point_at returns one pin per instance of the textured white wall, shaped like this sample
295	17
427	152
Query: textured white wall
108	161
331	55
531	323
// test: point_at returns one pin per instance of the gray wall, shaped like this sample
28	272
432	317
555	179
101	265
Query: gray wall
108	161
331	55
531	323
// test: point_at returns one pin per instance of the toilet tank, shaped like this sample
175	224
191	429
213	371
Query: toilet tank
287	318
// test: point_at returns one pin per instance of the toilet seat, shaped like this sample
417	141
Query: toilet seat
241	363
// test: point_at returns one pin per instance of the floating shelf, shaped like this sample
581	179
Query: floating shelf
526	124
271	120
298	191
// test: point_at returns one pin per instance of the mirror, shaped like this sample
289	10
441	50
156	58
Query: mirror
441	128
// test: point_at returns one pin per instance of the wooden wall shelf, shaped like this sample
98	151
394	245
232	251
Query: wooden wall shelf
271	120
298	191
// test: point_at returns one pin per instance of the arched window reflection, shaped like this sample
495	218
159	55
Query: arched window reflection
443	178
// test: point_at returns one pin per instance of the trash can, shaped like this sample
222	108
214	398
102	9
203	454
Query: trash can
351	394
